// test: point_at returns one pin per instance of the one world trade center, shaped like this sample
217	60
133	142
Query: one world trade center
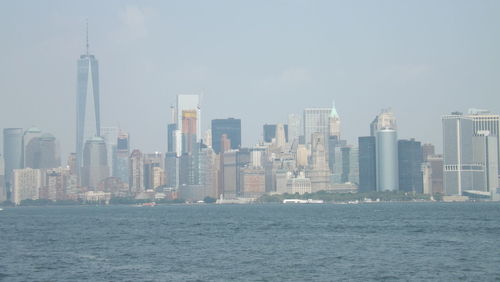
88	122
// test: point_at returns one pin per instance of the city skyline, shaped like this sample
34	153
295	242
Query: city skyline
418	85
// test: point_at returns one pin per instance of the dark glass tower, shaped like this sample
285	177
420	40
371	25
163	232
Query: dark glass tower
231	127
367	164
410	163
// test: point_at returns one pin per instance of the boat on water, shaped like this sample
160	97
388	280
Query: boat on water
1	209
299	201
151	204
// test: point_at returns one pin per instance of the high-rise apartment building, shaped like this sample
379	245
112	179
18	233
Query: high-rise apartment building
26	184
231	127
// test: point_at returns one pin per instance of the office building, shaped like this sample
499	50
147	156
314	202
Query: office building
12	153
367	164
110	136
28	136
231	127
410	166
318	170
121	157
387	160
316	120
188	102
3	192
95	163
88	122
269	132
293	128
42	152
136	172
458	159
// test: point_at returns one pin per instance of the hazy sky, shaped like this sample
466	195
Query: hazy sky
254	60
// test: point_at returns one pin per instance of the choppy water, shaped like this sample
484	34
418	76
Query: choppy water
385	241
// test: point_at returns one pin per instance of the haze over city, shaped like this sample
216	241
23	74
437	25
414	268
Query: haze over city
258	61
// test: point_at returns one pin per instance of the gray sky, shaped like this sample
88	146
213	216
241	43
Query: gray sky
254	60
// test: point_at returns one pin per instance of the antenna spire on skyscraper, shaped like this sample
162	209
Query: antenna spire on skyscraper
87	35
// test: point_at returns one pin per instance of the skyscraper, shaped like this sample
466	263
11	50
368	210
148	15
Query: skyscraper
293	127
367	164
29	135
110	136
334	122
88	123
231	127
410	166
42	152
457	153
12	153
316	120
387	160
95	163
269	132
188	102
121	157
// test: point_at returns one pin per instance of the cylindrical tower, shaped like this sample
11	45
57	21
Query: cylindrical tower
387	160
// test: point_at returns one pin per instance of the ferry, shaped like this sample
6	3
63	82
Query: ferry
299	201
151	204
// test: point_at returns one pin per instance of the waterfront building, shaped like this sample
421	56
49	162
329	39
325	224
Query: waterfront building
436	167
367	163
410	166
13	154
458	159
121	157
136	172
387	160
95	163
253	182
299	184
26	184
55	184
231	127
318	170
3	192
484	120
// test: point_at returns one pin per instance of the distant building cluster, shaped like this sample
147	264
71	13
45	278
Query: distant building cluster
305	154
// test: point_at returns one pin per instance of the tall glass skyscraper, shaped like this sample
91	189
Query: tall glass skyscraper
12	152
88	124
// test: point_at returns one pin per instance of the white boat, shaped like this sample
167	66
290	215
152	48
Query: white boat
1	209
